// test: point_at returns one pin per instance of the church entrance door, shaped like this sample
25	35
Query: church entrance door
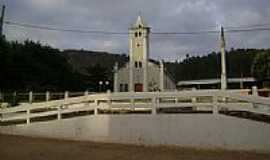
138	87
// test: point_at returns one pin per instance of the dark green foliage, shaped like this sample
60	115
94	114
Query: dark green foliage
32	66
81	60
261	66
97	66
239	64
99	73
195	68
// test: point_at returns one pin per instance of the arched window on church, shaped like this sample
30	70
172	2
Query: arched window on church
140	34
136	64
140	64
121	87
136	34
126	87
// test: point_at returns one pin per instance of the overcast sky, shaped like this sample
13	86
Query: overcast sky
160	15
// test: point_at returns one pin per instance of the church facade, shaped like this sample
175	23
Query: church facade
140	74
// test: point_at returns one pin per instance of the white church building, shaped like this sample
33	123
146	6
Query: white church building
140	74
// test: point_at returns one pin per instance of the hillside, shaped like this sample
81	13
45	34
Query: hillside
239	63
81	59
32	66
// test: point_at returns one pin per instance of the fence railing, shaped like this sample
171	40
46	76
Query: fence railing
200	101
16	98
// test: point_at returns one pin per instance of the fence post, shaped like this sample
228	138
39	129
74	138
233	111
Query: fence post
86	102
59	113
96	107
194	100
176	100
154	105
66	95
47	96
132	101
215	105
65	100
30	96
254	91
109	103
14	98
28	116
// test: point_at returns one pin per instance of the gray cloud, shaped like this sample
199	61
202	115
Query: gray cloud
161	15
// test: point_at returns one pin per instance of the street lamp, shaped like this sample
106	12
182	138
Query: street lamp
107	85
100	85
103	85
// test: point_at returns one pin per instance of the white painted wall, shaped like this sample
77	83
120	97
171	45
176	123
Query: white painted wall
153	76
193	130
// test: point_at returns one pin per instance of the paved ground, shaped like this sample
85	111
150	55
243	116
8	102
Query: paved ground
22	148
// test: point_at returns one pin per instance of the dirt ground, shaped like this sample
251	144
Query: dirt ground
25	148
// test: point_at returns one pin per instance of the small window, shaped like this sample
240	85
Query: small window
140	34
140	64
140	26
121	87
126	87
136	34
136	64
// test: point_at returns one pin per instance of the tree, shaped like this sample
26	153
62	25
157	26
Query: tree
261	66
33	66
98	73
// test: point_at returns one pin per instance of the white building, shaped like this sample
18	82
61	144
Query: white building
139	74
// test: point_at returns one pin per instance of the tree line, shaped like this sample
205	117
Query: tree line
239	64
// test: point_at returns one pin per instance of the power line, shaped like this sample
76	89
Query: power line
186	33
61	29
240	29
248	26
249	30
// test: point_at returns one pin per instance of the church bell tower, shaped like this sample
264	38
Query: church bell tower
139	52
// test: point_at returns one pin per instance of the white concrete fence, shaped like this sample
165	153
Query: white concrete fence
152	102
100	118
32	97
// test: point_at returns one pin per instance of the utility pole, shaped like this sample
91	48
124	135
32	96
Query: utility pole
2	20
223	61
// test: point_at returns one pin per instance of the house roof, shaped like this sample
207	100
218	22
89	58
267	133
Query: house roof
214	81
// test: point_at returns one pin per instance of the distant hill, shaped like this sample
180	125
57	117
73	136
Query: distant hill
81	59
